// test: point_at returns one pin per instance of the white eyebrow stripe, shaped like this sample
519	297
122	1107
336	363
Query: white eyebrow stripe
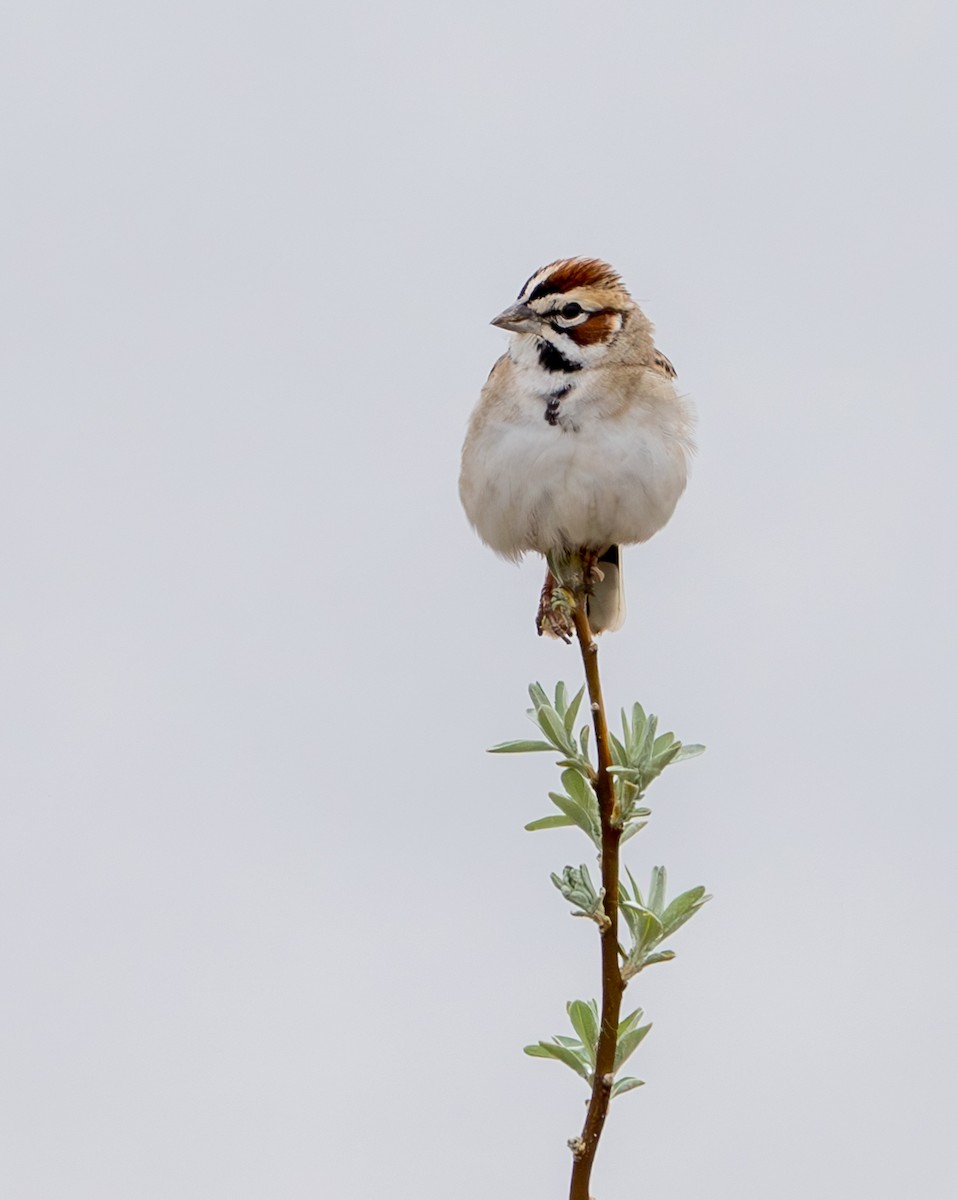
540	275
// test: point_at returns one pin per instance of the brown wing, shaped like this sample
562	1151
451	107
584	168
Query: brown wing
661	364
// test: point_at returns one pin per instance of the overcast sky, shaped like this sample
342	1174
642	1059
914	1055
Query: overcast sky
271	925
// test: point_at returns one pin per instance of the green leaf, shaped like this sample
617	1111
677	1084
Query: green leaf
689	751
572	1043
636	893
537	694
629	774
561	698
657	890
585	1024
584	742
626	1085
631	918
577	814
576	764
521	747
646	927
555	822
659	762
628	1022
662	743
552	727
619	754
564	1054
631	830
659	956
639	723
572	711
577	887
581	792
683	908
644	745
627	736
628	1043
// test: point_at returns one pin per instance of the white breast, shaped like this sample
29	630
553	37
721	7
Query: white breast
607	473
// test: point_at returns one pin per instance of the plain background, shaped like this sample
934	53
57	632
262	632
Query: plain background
271	926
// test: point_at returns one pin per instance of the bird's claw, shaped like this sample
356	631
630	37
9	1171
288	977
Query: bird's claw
556	606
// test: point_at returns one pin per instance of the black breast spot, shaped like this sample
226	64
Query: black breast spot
551	358
552	404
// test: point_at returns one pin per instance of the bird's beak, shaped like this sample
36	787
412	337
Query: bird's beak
518	319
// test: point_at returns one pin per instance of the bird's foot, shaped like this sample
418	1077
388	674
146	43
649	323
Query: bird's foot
592	573
556	606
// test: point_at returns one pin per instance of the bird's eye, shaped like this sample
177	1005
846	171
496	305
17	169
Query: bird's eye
571	310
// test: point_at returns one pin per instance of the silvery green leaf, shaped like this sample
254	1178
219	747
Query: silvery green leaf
628	1022
629	796
631	830
573	709
552	727
575	764
584	741
644	745
537	695
572	1043
662	759
683	908
630	918
646	926
657	890
636	892
626	1085
554	822
619	755
576	886
564	1054
623	794
662	743
560	699
690	751
578	815
568	881
520	747
584	1023
581	791
630	774
627	1044
657	957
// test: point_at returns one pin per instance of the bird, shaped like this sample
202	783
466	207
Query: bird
579	443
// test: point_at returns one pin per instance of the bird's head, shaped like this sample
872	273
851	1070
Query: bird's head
575	308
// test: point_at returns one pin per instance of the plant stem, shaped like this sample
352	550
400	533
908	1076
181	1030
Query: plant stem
612	982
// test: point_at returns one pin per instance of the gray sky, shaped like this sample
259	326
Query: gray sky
271	925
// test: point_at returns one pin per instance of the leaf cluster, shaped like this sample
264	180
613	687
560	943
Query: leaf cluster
578	1052
637	759
577	887
651	920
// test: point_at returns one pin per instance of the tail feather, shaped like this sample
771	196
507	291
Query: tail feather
607	602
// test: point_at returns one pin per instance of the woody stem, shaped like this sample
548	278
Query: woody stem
613	985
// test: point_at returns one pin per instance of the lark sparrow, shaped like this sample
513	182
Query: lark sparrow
579	442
